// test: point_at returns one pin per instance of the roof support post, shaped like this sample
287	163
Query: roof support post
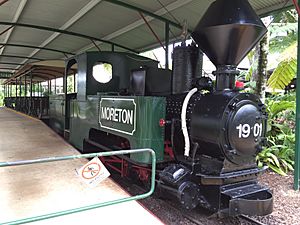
25	85
167	38
16	88
20	94
55	86
20	91
10	90
65	90
30	105
40	89
74	82
297	133
48	89
25	95
112	47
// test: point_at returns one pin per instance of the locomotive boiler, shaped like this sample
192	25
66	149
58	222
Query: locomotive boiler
205	133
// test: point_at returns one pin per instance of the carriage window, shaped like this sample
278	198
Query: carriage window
102	72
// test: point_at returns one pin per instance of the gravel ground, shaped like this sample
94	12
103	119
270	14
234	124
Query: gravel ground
286	203
286	200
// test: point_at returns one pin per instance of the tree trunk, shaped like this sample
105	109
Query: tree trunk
260	71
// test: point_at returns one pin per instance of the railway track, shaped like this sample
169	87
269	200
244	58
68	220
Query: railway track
251	220
192	216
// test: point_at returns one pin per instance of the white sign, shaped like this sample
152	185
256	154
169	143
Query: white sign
245	130
93	172
118	114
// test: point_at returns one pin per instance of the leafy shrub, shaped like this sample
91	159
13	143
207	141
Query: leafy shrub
283	74
279	152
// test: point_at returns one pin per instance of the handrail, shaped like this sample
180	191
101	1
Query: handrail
88	207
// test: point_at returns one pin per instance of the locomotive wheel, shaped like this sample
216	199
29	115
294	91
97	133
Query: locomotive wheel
189	195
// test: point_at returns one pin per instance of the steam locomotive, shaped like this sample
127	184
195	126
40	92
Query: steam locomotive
205	134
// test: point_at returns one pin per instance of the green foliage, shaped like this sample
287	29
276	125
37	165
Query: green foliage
289	16
279	152
283	74
278	106
1	98
281	36
249	73
276	158
70	84
283	30
1	94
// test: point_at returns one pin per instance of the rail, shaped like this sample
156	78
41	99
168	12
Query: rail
93	206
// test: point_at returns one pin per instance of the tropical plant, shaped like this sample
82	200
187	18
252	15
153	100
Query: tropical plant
1	98
279	151
283	49
281	36
283	30
286	70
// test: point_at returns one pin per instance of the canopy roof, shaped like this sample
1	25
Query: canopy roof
31	31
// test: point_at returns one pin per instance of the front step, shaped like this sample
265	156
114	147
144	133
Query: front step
248	198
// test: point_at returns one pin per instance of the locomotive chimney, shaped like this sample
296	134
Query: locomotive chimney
226	34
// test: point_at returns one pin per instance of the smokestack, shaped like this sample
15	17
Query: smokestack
226	33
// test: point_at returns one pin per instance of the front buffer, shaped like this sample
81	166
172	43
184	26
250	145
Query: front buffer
230	194
247	198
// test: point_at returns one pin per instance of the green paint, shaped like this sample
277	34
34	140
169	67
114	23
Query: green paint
56	112
297	133
84	115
